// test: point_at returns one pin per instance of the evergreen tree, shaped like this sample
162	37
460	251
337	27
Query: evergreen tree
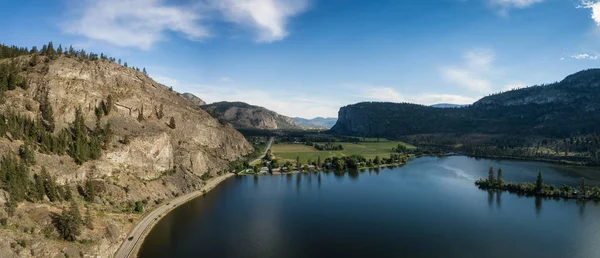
27	155
298	162
319	162
34	59
68	196
40	190
47	112
539	182
79	149
109	105
160	113
491	177
172	123
59	51
144	71
69	223
500	179
49	185
90	191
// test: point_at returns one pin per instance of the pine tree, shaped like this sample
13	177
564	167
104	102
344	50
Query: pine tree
27	155
47	112
500	179
172	123
144	71
491	177
539	182
49	185
68	194
90	191
319	162
160	113
109	105
59	51
69	223
40	190
79	149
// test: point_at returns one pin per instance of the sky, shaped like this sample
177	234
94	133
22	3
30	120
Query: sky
308	58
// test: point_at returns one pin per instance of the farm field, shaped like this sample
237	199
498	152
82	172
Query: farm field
289	152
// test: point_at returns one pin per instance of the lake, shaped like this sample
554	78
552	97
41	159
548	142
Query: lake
427	208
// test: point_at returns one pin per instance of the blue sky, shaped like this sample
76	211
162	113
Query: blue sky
307	58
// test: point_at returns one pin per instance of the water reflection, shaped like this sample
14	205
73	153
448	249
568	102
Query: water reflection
499	200
490	198
538	205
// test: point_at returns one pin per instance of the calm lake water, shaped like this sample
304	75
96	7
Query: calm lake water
427	208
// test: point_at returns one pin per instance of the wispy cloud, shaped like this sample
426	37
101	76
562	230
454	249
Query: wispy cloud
268	17
595	6
515	3
142	23
471	73
134	23
389	94
585	56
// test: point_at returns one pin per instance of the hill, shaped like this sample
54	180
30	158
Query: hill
192	98
80	129
242	115
316	123
538	121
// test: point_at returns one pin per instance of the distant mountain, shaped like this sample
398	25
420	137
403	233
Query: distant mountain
561	109
447	105
192	98
316	123
243	115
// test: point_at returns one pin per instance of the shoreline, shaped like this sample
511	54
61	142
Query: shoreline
130	248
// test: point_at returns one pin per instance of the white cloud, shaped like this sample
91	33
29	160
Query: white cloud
595	6
471	74
585	56
142	23
389	94
515	3
268	17
225	79
134	23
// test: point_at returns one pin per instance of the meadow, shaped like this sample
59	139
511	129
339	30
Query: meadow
289	152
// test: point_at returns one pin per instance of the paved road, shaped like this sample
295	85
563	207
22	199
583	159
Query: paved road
265	153
138	233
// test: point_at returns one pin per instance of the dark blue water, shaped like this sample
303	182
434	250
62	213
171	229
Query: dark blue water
428	208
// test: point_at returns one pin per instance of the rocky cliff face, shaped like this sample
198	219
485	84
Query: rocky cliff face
561	109
146	160
194	99
242	115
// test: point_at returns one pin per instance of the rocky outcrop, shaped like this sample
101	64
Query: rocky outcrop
146	159
192	98
242	115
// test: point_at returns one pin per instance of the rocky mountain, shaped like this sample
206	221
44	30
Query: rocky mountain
316	123
561	109
104	133
242	115
192	98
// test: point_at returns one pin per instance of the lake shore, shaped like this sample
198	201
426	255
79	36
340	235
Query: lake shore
130	248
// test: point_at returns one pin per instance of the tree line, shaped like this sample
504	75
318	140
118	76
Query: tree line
538	188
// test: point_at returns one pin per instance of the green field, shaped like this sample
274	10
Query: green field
289	152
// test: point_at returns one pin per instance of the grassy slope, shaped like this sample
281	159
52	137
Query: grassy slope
368	150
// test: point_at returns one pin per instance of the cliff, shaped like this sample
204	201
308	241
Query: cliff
561	109
162	145
242	115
